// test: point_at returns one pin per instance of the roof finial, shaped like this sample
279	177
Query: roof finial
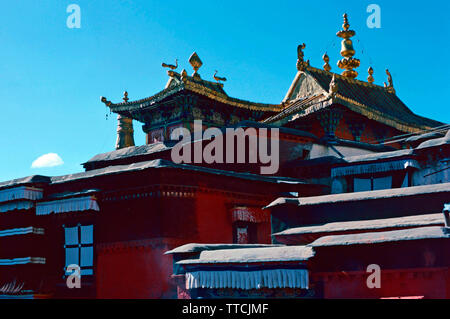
370	78
171	66
218	78
125	96
347	51
196	63
333	87
390	85
301	63
184	75
326	59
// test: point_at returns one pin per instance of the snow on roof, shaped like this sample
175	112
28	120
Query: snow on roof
25	180
194	247
378	156
432	232
252	255
435	142
399	222
130	152
422	137
362	196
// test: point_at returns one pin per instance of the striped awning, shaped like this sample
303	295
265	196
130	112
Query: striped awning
257	279
22	261
67	205
20	193
21	205
373	168
21	231
19	198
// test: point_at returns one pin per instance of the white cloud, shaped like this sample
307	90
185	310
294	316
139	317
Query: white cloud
47	160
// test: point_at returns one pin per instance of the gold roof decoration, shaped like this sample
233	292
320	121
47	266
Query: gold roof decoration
196	63
348	63
125	96
171	66
326	59
105	100
370	78
390	85
301	63
184	75
333	89
219	79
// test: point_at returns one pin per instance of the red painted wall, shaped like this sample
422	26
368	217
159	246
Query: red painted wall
430	283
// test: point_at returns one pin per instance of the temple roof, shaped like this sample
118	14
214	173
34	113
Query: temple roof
296	235
33	179
194	247
421	233
363	196
178	83
253	255
370	100
161	163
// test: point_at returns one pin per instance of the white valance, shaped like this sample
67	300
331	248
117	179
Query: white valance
5	207
270	278
22	261
21	231
373	168
18	193
67	205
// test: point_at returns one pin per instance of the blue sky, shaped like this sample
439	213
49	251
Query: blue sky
51	77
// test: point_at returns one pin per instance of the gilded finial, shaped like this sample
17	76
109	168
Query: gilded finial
218	78
301	63
346	25
390	85
125	96
171	66
196	63
370	78
348	63
326	59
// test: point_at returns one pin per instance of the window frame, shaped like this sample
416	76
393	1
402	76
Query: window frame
79	245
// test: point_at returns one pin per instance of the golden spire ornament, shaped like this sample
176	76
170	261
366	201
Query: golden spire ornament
370	78
326	59
348	63
125	97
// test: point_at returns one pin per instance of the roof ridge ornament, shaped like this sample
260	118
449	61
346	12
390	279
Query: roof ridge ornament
301	63
196	64
370	78
184	75
347	51
171	66
218	78
125	97
390	85
326	59
333	88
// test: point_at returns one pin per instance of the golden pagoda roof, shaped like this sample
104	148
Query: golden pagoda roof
370	100
183	82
